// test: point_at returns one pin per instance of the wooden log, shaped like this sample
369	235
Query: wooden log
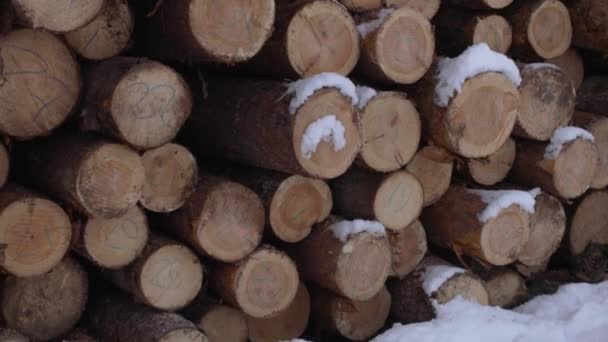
113	243
95	176
289	324
5	164
432	166
390	131
8	335
171	177
60	16
166	275
244	108
361	5
46	306
506	288
398	50
221	219
78	336
589	24
41	83
572	64
598	126
35	232
428	8
262	285
356	268
491	169
395	199
480	4
140	102
592	96
455	222
107	35
530	271
547	98
408	247
221	323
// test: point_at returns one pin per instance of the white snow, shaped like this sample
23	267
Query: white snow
364	94
370	26
434	276
304	88
327	128
502	199
477	59
343	230
576	313
534	66
562	136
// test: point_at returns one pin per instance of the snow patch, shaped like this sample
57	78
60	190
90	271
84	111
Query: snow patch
327	128
364	94
502	199
370	26
534	66
304	88
343	230
477	59
562	136
437	275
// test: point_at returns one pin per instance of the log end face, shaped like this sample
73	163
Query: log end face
549	29
572	64
223	323
361	5
494	168
428	8
408	248
503	237
360	320
599	129
575	168
506	289
59	16
590	222
497	4
184	335
399	200
495	31
433	167
465	285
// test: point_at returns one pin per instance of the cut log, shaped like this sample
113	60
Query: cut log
399	50
222	219
408	247
60	16
41	83
166	276
394	199
35	233
491	169
5	164
432	166
590	29
140	102
309	37
592	96
428	8
598	126
455	222
361	5
541	28
506	288
171	177
390	132
245	108
480	4
356	269
456	30
8	335
571	63
113	243
262	285
95	176
46	306
289	324
530	271
107	35
547	98
221	323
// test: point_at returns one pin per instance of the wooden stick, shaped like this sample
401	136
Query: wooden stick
589	24
480	4
491	169
428	8
592	96
598	126
408	247
572	64
60	16
221	322
432	166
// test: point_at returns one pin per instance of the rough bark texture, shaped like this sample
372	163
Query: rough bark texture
5	164
408	247
60	16
598	126
410	304
592	96
432	166
590	28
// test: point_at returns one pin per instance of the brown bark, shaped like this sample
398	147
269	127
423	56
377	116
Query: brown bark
46	306
572	64
220	323
428	8
592	96
8	335
361	5
598	126
410	304
408	247
5	164
480	4
491	169
596	62
7	18
59	16
78	336
590	29
432	166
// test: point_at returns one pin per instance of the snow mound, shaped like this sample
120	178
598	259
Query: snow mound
562	136
364	94
534	66
437	275
371	26
327	128
502	199
304	88
343	230
477	59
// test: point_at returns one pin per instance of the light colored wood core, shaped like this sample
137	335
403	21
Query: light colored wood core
58	15
322	37
571	63
390	130
361	5
549	29
481	117
408	247
231	222
288	325
116	242
5	165
574	168
495	31
41	83
224	324
35	233
529	271
171	177
495	167
497	4
110	181
267	283
107	35
547	228
432	166
590	222
465	285
184	335
398	201
360	320
428	8
298	203
503	237
505	288
599	129
405	46
325	162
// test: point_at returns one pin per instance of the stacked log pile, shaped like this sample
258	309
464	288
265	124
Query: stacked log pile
197	170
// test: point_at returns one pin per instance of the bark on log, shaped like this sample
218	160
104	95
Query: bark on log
166	275
140	102
245	108
35	233
107	35
41	83
5	164
394	199
399	50
78	336
491	169
598	126
361	5
590	28
572	64
262	285
428	8
8	335
59	16
592	96
453	222
432	166
46	306
221	323
480	4
408	247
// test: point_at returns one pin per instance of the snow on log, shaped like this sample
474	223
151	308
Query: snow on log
598	127
432	166
408	247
